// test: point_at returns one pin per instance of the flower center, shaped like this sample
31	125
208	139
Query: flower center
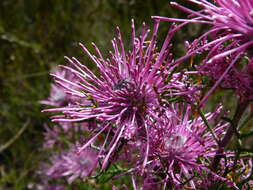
175	142
84	161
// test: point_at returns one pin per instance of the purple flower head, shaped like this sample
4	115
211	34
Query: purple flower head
126	89
58	95
180	146
232	29
127	86
232	21
71	164
79	165
53	169
228	73
53	136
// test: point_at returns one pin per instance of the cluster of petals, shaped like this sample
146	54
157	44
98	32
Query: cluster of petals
71	165
180	147
128	101
58	96
127	88
229	38
53	135
231	21
128	84
228	73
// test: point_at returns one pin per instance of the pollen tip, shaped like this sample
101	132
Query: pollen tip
173	3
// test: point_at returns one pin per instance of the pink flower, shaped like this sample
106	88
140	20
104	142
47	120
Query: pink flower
126	90
72	165
227	42
58	95
181	148
231	21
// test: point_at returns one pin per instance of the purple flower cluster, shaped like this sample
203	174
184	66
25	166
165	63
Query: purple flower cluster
127	91
72	164
140	109
227	42
231	21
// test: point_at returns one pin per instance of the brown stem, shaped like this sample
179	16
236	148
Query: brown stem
241	107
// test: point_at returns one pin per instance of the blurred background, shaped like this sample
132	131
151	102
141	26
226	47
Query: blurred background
34	37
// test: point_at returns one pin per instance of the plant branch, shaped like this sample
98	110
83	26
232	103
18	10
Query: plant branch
241	107
208	126
13	139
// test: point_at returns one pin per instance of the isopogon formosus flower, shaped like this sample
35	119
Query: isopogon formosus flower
71	165
228	75
126	89
180	147
58	96
230	20
232	23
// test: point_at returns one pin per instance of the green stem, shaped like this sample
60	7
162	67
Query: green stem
208	126
245	121
13	139
243	135
241	107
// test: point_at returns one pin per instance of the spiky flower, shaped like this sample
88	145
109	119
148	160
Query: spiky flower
228	74
71	165
231	20
180	147
232	31
79	165
53	136
127	87
58	95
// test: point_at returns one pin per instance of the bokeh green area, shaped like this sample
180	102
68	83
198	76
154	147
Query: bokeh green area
34	37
